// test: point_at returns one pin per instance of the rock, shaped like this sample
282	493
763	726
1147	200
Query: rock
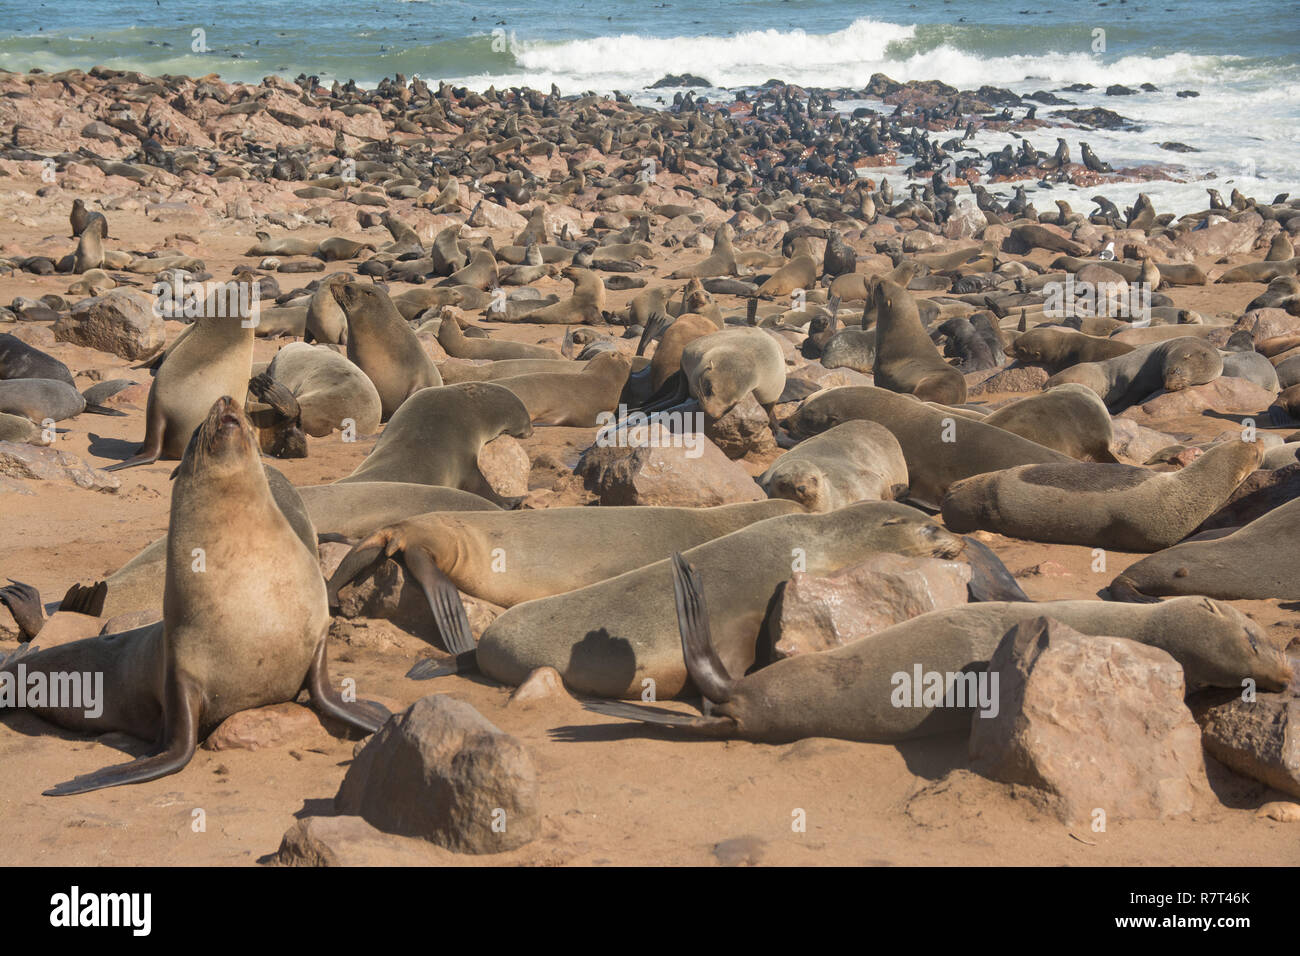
505	465
1095	722
1263	324
273	726
386	594
1098	118
1283	811
656	467
818	613
47	464
442	772
351	841
742	430
240	208
1045	569
1259	739
544	683
121	321
966	223
740	851
1013	378
488	215
37	336
1233	395
1222	239
1260	493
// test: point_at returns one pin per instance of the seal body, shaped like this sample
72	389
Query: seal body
854	461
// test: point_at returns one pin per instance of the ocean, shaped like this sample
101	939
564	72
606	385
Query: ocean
1241	56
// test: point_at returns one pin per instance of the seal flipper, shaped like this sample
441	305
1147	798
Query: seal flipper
367	715
180	734
362	558
655	327
85	600
93	408
24	603
444	601
703	665
990	580
270	392
1123	589
707	726
431	667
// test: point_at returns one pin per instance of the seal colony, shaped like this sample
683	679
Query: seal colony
790	370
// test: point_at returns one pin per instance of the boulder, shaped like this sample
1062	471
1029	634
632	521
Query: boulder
122	321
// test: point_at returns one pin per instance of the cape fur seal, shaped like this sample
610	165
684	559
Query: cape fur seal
1071	419
1253	562
584	307
1128	379
1124	507
454	342
940	446
212	358
383	346
507	558
436	435
327	389
852	692
573	400
721	368
854	461
906	360
245	631
1058	349
607	638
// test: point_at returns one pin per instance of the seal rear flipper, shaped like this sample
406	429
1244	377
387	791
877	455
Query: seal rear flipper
24	603
444	601
990	580
180	734
85	600
672	392
702	662
367	715
661	716
93	408
431	667
655	327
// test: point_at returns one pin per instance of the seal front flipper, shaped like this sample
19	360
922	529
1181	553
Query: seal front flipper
363	558
180	733
24	603
367	715
990	580
444	600
85	600
1123	589
655	327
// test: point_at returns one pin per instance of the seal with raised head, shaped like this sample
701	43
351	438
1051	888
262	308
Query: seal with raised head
436	436
245	631
211	358
853	692
584	307
1124	507
456	344
382	345
854	461
906	360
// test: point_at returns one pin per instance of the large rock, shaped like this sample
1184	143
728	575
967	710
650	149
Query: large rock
1259	739
48	464
818	613
1221	239
1224	394
1134	443
442	772
1013	378
1261	492
654	467
742	430
277	725
121	321
1264	324
505	466
1095	722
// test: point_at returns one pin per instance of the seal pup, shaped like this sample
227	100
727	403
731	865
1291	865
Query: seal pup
1122	507
852	692
906	360
383	346
90	247
720	262
854	461
1058	349
437	434
212	358
940	446
176	680
1253	562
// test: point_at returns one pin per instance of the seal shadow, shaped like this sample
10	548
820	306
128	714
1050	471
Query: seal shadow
602	662
119	449
31	725
935	756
